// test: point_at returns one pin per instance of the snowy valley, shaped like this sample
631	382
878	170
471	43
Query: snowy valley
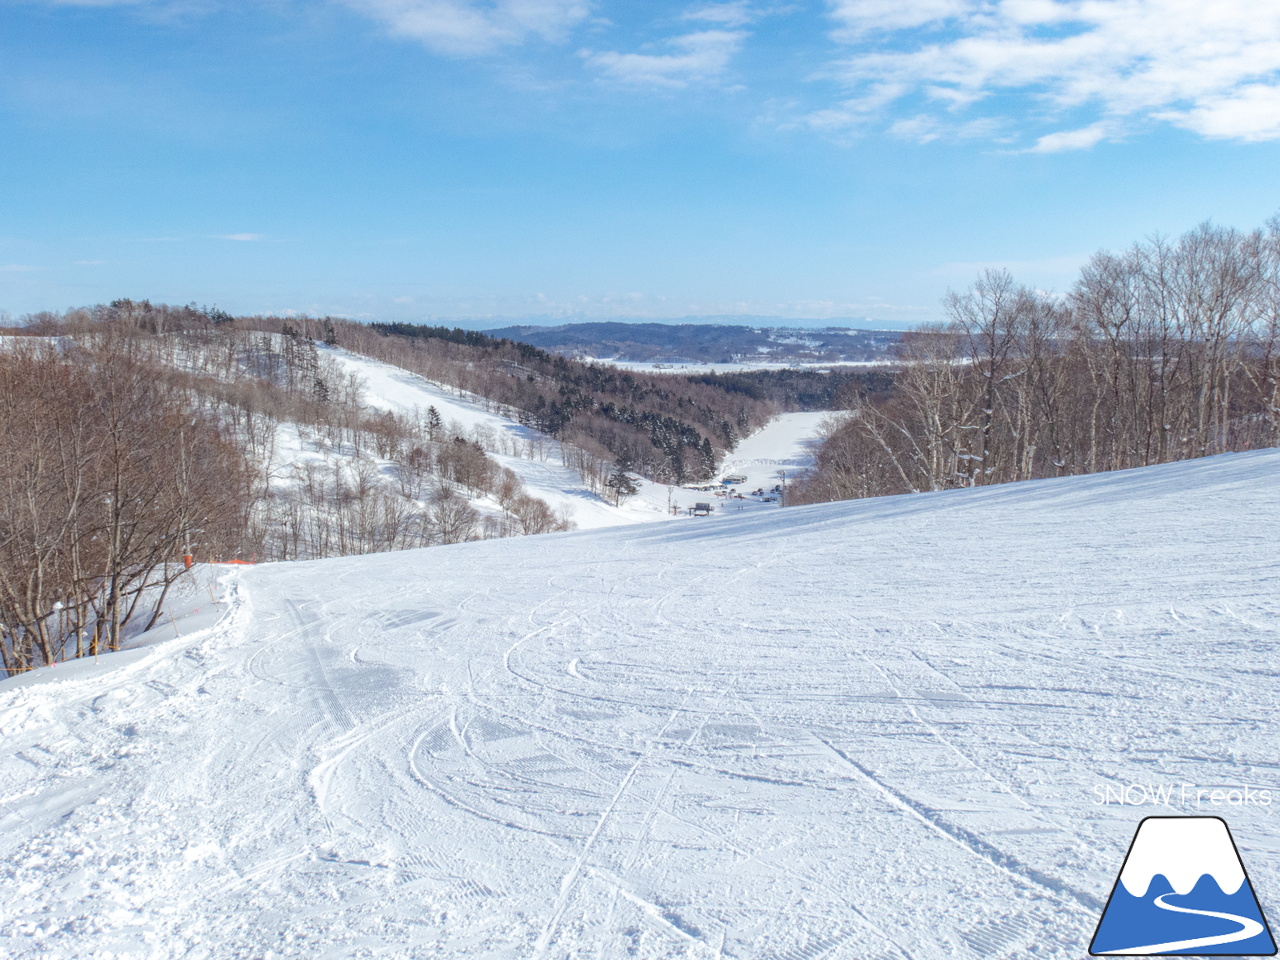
539	461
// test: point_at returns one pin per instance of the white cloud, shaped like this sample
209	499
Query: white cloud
737	13
857	110
924	128
701	57
240	237
470	27
1249	113
858	17
921	129
1211	67
1081	139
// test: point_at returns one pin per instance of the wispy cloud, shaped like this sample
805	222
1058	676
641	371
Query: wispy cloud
1212	68
926	128
737	13
239	237
1081	139
860	17
16	268
856	111
469	28
695	58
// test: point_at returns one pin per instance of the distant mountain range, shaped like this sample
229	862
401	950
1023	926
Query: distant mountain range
704	343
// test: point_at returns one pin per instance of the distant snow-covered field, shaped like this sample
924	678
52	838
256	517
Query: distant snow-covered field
872	729
743	366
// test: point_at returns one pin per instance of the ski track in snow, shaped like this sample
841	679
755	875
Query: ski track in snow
862	730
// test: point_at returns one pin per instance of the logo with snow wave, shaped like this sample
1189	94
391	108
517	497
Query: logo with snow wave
1183	890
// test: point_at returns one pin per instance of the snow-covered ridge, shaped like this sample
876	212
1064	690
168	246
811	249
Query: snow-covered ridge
1183	849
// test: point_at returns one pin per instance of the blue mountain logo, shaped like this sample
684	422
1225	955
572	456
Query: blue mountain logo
1183	890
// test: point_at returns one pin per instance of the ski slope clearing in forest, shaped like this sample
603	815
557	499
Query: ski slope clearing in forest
784	446
534	458
859	730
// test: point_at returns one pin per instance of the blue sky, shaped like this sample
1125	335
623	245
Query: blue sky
557	159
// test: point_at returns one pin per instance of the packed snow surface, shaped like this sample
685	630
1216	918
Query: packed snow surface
877	729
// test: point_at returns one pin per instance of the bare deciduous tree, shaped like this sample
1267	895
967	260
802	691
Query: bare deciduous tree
1165	352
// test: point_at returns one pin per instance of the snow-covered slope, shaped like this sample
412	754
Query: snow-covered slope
784	444
863	730
534	457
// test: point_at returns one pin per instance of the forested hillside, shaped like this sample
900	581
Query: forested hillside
135	434
669	428
1168	351
705	342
